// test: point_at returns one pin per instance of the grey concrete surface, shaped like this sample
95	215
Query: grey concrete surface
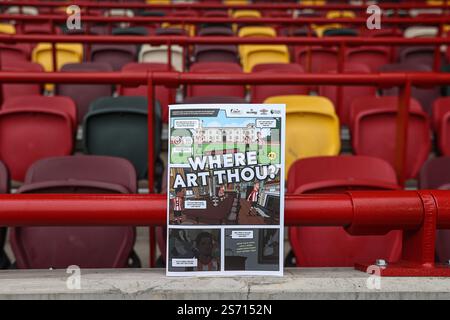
153	284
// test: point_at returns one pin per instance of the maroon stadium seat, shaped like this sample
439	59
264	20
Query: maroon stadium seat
87	247
33	128
115	55
373	126
20	89
333	246
425	96
216	90
164	95
348	93
262	92
84	94
216	53
441	106
435	174
419	56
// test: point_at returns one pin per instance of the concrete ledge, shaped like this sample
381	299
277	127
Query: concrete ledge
153	284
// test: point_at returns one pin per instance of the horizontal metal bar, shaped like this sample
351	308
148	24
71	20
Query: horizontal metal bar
176	78
202	20
216	6
183	40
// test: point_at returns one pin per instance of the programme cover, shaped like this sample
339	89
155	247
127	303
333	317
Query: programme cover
225	190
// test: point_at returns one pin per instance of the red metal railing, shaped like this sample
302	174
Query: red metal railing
217	6
418	213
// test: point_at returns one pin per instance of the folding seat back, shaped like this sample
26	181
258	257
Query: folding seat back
419	56
254	31
15	90
262	92
87	247
216	53
252	55
164	95
14	53
374	131
441	119
333	246
215	31
312	127
65	53
7	28
84	94
446	89
347	93
373	57
4	188
158	54
26	10
343	32
316	59
239	14
214	99
31	130
425	96
115	55
216	90
441	106
118	127
435	174
421	32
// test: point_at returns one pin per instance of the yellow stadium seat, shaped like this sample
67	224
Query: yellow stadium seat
340	14
312	127
238	14
7	28
65	53
158	1
233	2
256	31
313	2
251	55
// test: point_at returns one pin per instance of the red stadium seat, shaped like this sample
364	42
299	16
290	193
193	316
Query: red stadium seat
87	247
33	128
320	57
333	246
348	93
435	174
84	94
441	117
441	106
4	188
373	57
419	56
216	90
16	90
262	92
14	53
164	95
373	124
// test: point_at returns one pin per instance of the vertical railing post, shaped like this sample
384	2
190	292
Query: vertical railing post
53	44
340	70
402	131
151	162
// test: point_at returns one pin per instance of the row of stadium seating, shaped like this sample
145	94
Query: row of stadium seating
38	128
112	247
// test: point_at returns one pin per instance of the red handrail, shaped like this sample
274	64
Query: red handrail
45	18
418	213
217	6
